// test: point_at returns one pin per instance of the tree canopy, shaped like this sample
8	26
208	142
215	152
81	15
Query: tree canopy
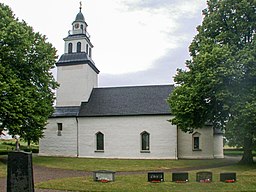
219	84
26	83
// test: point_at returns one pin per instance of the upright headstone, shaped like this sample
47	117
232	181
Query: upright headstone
20	172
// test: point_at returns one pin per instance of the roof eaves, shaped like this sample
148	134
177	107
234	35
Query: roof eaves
122	115
78	62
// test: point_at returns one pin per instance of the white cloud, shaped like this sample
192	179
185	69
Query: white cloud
131	40
128	35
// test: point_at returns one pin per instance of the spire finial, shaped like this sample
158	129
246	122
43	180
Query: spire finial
80	5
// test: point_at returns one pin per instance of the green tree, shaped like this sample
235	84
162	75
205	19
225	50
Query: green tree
219	84
26	83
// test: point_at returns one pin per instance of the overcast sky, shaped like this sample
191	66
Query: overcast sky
136	42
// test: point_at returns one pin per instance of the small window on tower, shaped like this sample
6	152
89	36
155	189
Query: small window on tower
59	129
78	47
90	52
70	47
87	48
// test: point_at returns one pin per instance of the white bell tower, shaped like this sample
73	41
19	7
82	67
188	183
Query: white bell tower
76	71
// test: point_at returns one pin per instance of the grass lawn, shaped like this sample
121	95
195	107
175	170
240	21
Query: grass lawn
134	183
87	164
6	146
9	145
138	182
236	152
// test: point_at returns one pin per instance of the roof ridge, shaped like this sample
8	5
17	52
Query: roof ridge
134	86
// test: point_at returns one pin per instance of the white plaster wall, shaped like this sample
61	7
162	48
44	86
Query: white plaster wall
76	83
218	146
185	145
122	137
64	145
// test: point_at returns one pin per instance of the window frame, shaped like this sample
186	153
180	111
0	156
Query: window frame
87	49
145	142
196	142
70	48
100	143
59	129
78	47
90	52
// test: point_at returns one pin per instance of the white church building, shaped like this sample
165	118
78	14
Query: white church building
115	122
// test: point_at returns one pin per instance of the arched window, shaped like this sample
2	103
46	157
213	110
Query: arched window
78	47
99	141
87	48
196	141
70	47
90	52
145	141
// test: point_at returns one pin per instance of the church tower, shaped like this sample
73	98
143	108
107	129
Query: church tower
76	71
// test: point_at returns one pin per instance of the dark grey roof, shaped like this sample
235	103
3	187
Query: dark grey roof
76	58
137	100
66	111
80	17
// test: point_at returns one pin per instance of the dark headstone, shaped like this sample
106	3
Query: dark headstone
20	172
104	176
228	177
155	176
180	177
204	176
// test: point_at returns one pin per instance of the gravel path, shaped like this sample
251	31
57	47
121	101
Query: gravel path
42	174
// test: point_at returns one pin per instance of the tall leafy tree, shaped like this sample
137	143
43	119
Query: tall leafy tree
26	83
219	84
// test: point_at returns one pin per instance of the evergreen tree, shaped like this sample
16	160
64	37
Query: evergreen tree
26	83
219	85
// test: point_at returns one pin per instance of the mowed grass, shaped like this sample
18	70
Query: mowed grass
6	146
133	183
236	152
9	145
119	165
88	164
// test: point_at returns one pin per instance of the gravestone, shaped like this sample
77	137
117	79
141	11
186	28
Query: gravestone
156	176
20	172
104	176
228	177
180	177
204	176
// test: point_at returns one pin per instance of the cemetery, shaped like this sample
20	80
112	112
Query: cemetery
120	139
82	174
85	174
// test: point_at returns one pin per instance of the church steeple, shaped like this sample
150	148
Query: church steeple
78	39
77	73
79	25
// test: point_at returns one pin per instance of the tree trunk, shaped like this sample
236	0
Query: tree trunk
247	155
